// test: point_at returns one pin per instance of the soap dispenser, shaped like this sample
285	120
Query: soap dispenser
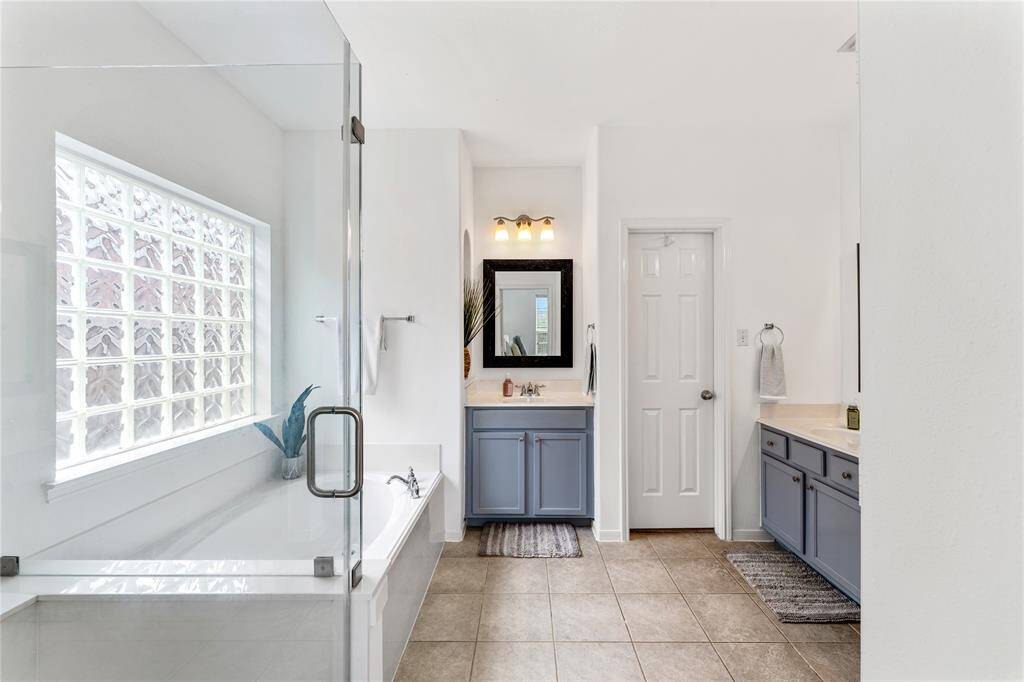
507	386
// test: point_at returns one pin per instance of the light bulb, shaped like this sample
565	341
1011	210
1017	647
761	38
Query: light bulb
524	234
500	231
547	232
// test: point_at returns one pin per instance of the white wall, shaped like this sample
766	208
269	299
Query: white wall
942	179
779	189
849	200
313	280
553	191
188	127
411	265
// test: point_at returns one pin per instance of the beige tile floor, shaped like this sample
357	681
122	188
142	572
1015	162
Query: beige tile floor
664	606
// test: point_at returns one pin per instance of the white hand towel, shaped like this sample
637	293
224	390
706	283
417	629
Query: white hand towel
773	372
373	340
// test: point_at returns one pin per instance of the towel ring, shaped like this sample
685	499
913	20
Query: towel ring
769	326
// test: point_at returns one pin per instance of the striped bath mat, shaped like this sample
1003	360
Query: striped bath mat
793	590
530	540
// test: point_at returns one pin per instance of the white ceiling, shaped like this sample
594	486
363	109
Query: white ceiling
527	80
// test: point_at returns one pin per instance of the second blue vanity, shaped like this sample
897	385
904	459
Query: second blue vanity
527	462
810	502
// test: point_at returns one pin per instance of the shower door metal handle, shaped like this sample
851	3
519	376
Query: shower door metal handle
357	485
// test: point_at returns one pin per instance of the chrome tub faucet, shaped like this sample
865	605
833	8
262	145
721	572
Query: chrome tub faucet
411	484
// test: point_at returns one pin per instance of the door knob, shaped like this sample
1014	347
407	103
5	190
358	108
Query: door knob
707	394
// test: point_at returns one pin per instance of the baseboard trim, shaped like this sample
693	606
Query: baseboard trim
606	534
751	535
456	536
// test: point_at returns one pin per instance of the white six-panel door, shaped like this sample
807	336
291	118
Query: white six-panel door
670	428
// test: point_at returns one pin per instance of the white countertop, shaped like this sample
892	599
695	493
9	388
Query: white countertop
819	424
546	400
556	393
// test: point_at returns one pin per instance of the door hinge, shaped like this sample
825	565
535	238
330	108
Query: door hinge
323	567
10	566
358	131
357	574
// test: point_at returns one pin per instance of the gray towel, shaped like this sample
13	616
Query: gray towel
591	370
773	372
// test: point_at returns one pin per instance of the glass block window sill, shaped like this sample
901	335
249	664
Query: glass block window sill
88	474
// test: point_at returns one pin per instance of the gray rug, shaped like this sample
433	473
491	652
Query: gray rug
793	590
530	540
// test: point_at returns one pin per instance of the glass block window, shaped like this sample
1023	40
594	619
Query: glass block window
154	310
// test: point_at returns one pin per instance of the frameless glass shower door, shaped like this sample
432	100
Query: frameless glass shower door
180	260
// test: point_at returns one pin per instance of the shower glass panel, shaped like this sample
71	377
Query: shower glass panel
198	162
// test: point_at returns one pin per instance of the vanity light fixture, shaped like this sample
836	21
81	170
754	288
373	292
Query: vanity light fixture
524	225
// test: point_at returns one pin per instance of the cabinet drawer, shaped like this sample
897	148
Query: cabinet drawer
530	419
843	472
772	442
807	456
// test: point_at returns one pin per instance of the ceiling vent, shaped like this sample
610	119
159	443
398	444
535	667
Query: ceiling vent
850	45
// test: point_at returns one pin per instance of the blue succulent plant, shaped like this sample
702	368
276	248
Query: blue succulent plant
292	428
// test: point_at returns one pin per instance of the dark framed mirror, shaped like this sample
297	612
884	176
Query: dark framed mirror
529	314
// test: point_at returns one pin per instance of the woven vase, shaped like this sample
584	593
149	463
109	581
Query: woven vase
467	360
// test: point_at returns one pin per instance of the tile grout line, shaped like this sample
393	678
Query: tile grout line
724	664
479	621
551	616
806	662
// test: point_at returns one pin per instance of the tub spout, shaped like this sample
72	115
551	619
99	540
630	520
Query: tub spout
411	484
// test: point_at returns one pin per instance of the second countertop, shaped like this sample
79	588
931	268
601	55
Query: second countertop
821	424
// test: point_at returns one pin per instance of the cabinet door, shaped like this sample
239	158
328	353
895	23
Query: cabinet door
559	474
499	473
782	502
833	536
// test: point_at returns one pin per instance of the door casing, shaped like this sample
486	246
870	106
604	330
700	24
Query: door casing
717	228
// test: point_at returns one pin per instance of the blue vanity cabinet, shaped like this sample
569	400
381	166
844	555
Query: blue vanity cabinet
833	536
809	504
499	473
559	474
529	463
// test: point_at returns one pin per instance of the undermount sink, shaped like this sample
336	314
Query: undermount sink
525	399
837	433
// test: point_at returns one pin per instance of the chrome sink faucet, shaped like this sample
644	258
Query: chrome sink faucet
411	484
531	390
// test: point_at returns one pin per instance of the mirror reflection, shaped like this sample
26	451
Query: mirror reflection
527	321
531	325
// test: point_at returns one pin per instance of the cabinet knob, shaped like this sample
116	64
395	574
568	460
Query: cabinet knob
771	444
810	487
522	438
796	479
847	475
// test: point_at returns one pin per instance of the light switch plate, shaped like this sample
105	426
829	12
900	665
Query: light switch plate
742	337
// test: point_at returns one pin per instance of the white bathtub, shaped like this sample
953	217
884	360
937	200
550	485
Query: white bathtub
256	550
277	529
